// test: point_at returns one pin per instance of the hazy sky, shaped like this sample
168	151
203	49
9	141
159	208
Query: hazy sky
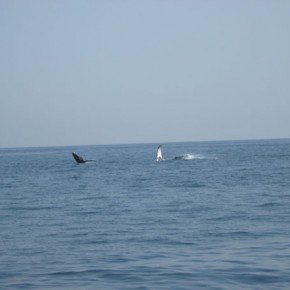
99	72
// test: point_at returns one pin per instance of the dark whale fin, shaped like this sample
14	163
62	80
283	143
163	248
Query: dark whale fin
80	159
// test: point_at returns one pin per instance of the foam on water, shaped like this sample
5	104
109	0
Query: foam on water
189	156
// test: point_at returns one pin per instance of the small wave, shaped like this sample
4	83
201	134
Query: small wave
269	204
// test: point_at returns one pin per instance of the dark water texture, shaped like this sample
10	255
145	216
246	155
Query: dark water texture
218	220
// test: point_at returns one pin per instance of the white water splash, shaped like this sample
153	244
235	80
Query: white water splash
188	156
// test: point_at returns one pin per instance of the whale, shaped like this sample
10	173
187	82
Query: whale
159	153
80	159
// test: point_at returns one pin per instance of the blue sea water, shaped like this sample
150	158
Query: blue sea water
217	218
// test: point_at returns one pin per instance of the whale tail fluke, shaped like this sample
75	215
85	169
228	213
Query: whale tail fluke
159	153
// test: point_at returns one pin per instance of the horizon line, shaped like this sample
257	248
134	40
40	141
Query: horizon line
140	143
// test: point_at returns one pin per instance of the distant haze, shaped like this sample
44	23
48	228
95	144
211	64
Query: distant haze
100	72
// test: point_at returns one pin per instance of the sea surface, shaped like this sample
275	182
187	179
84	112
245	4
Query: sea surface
216	217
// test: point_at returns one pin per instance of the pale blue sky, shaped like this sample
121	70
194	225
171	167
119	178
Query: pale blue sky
100	72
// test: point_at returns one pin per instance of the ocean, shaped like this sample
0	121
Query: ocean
215	217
